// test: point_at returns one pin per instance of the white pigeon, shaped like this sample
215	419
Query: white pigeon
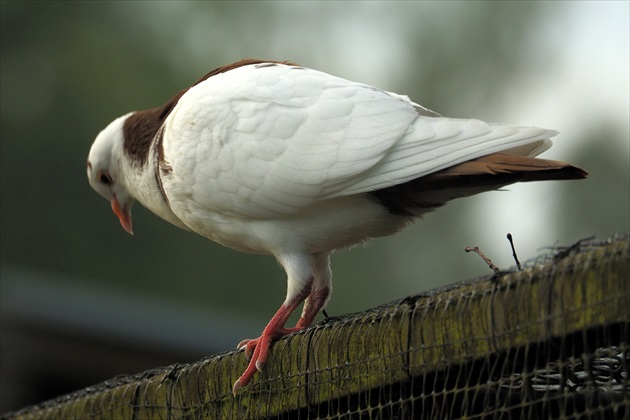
273	158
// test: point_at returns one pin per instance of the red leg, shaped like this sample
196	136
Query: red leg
313	304
272	332
314	293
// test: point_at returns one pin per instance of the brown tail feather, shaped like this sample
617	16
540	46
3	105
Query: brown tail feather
500	164
486	173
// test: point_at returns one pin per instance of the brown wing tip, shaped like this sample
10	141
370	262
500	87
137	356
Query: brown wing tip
561	171
573	172
532	169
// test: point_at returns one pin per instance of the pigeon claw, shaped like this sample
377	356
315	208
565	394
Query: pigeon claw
249	345
258	349
256	362
237	385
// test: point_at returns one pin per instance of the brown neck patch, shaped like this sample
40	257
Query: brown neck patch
141	127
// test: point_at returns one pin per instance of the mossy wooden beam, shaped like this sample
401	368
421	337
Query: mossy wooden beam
393	343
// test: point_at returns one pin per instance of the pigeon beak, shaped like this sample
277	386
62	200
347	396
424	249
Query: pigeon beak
124	215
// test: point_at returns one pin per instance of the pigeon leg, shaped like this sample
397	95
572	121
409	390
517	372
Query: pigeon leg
273	331
312	305
320	290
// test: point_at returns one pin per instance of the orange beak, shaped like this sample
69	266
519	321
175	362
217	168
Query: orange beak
124	215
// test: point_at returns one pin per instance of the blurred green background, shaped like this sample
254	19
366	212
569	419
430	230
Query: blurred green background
83	301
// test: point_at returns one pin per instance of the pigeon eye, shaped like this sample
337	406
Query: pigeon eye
105	178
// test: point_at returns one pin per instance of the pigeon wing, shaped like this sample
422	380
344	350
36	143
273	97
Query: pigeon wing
266	141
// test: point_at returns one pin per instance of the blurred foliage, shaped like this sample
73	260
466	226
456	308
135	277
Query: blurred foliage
68	68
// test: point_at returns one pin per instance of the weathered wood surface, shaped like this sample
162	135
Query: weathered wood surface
393	343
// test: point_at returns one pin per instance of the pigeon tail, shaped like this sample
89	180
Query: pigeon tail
491	172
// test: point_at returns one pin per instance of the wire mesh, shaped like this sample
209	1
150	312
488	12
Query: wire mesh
549	341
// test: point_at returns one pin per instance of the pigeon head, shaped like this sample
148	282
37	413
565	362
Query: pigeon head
105	173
